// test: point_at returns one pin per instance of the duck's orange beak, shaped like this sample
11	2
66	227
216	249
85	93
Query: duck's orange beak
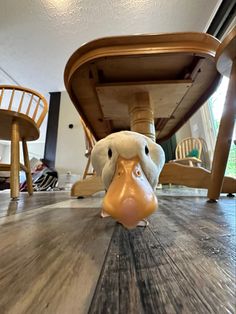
130	197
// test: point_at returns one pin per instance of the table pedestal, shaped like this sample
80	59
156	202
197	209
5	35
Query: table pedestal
141	116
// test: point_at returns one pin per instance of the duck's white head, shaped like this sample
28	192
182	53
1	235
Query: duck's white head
129	164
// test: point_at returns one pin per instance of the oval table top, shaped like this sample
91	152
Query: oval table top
177	70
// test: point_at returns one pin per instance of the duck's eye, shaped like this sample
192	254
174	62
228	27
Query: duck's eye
138	173
109	153
146	150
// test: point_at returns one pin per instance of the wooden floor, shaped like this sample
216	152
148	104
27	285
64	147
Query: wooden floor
58	256
27	202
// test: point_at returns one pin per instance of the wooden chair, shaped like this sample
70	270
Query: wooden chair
22	112
188	152
89	142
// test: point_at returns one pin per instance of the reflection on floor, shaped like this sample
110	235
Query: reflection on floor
59	256
180	191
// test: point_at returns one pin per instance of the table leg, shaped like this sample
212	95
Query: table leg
223	139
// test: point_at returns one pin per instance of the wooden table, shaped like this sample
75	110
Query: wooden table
150	84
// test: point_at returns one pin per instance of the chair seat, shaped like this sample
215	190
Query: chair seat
27	127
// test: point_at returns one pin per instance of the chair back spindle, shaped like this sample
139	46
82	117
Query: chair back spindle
186	146
29	105
21	101
1	96
36	109
11	99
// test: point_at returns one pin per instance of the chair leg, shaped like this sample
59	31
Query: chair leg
15	160
27	165
223	139
87	168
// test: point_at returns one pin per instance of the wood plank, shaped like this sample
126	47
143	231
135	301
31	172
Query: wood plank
181	263
116	291
184	262
205	261
156	279
196	177
26	203
51	259
115	98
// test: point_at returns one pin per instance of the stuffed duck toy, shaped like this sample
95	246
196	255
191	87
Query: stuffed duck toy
129	164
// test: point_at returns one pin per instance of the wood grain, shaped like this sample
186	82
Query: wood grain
115	98
22	91
63	258
27	127
131	60
142	116
26	203
196	177
51	259
15	159
182	263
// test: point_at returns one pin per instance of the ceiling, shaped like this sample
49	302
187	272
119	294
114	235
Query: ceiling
38	37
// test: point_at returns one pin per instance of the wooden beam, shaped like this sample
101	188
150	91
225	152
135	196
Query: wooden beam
195	177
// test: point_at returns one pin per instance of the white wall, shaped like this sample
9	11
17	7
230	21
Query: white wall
70	142
201	127
35	149
183	132
194	127
4	152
